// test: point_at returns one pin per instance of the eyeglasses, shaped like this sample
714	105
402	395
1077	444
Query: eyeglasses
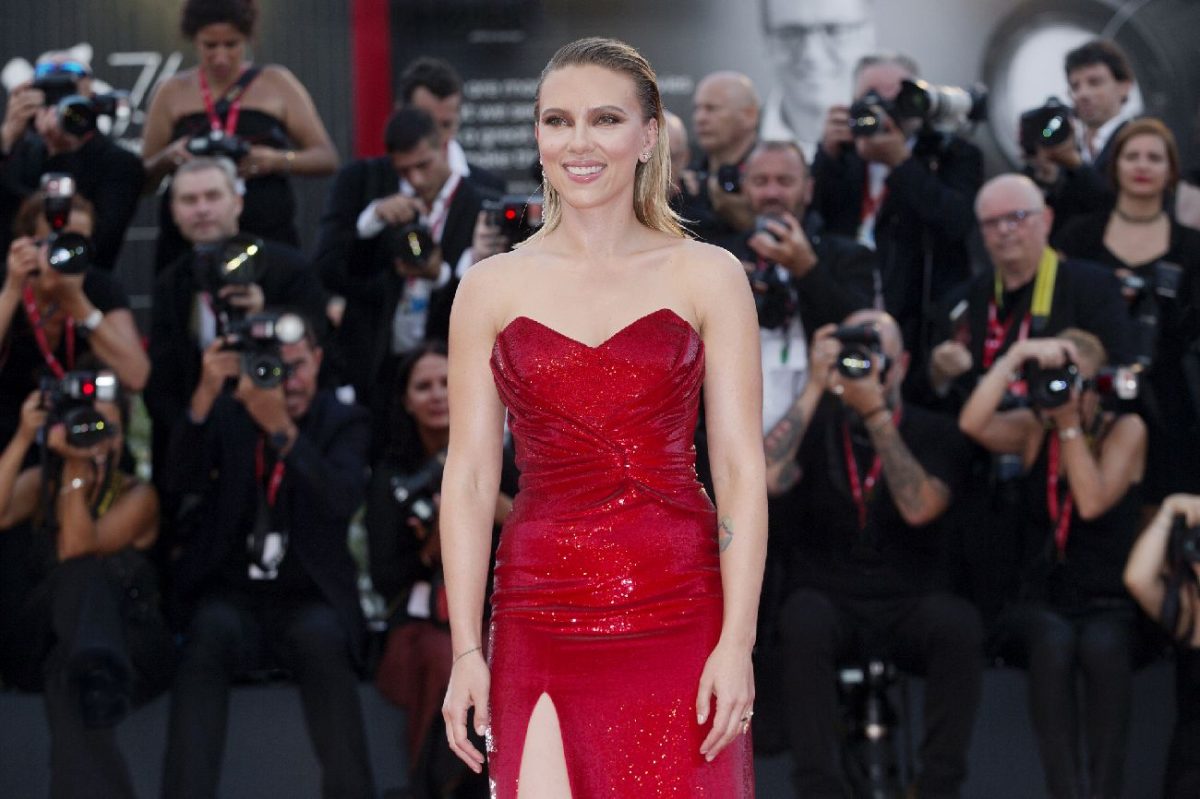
794	40
1006	223
73	68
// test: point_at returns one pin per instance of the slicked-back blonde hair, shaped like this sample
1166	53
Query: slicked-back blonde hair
652	179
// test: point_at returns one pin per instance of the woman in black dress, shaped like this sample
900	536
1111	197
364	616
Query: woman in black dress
265	107
1159	260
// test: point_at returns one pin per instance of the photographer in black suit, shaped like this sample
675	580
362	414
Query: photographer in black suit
397	234
263	574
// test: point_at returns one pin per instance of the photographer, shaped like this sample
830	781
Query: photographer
1158	262
405	555
218	282
262	572
53	129
87	629
1070	157
1081	500
396	235
51	316
903	191
1163	575
261	117
873	477
725	124
800	282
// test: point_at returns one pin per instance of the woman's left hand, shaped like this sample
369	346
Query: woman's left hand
261	161
728	677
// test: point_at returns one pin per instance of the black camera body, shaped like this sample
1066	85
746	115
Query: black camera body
260	339
1185	540
229	262
219	144
867	114
517	216
1046	126
72	400
56	86
67	253
414	493
862	348
1050	388
80	115
412	244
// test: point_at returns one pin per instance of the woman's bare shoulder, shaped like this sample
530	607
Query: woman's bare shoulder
491	285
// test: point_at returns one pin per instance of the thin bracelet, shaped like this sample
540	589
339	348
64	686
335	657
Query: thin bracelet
462	655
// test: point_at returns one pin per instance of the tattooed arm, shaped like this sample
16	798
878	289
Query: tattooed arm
919	497
783	440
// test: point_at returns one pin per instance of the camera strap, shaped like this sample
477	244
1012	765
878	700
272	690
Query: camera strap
39	335
862	489
232	100
1060	513
272	487
1034	321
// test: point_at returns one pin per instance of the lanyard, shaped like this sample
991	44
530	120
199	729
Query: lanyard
276	474
1060	514
871	202
233	96
39	334
997	333
1039	313
862	489
440	211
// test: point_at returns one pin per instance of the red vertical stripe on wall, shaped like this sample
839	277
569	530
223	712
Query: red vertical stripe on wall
371	54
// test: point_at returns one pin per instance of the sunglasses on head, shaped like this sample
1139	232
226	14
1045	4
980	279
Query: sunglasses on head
72	68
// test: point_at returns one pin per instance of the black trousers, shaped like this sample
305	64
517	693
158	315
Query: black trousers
937	635
91	615
231	634
1058	647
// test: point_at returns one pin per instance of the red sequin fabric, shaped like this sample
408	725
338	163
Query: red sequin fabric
608	587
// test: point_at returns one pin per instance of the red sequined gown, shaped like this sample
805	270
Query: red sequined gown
608	587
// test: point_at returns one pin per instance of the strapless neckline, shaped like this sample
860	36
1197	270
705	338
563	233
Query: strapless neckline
665	313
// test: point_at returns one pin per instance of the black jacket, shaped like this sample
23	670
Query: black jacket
323	486
928	202
361	271
105	173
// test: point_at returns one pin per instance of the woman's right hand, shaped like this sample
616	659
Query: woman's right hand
33	415
176	153
470	684
24	260
1050	353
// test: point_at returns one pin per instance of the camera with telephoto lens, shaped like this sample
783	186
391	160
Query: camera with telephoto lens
67	253
943	108
413	493
412	244
71	401
219	144
79	115
260	339
517	216
1185	540
228	262
1121	383
862	348
1050	387
1046	126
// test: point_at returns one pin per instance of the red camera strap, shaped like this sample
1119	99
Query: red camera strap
1060	514
871	202
997	332
862	489
276	473
39	334
233	96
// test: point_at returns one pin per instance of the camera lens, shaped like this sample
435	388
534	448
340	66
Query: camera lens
69	253
855	362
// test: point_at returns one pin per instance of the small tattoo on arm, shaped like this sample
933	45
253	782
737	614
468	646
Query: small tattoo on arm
725	533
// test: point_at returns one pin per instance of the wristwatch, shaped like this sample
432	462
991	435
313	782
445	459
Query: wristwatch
92	320
1067	433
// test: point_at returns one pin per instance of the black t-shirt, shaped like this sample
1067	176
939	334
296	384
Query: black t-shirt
887	557
22	364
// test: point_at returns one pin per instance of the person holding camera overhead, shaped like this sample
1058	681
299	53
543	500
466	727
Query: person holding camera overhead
227	276
1158	262
1163	575
397	234
55	308
866	555
1081	499
88	629
274	470
50	126
404	540
260	117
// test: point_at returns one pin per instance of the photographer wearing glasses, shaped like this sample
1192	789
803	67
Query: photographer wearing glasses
51	125
87	630
873	476
1163	575
1080	495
